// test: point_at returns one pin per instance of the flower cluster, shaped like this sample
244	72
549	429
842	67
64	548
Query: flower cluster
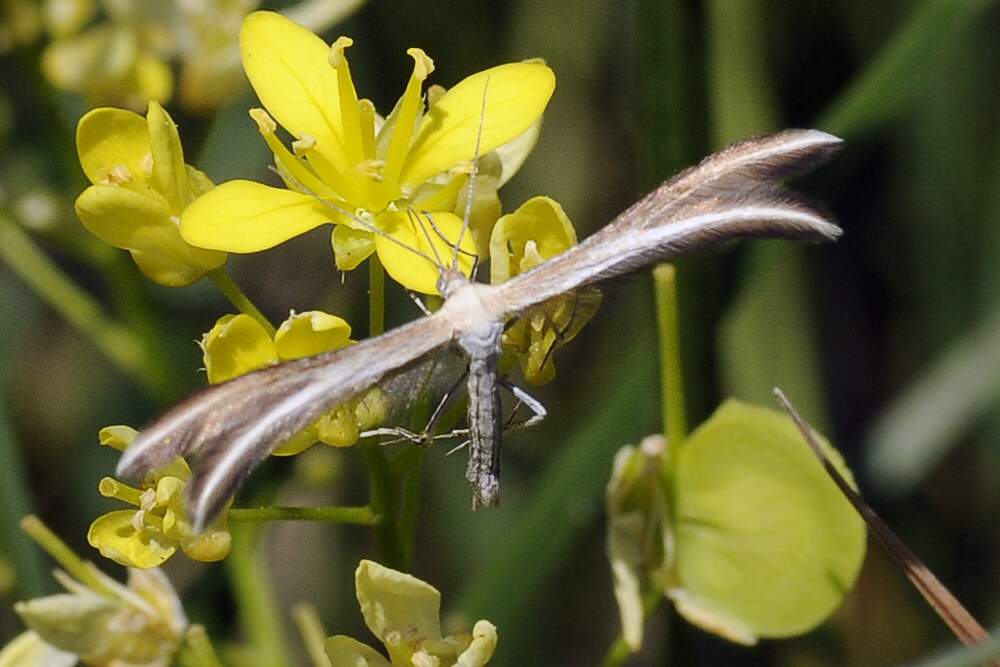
147	536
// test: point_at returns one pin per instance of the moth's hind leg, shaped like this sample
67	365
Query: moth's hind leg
538	411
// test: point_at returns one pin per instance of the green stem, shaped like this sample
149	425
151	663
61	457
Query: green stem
116	342
199	651
376	297
257	608
359	516
671	375
75	566
232	291
394	482
313	634
619	651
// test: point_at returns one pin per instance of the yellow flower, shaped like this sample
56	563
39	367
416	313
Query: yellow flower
126	59
119	62
140	186
98	620
238	344
349	167
404	613
535	232
147	536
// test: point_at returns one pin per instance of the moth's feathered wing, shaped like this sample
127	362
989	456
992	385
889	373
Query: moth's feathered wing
731	194
228	429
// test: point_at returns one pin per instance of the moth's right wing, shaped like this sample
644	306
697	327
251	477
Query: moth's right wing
226	430
731	194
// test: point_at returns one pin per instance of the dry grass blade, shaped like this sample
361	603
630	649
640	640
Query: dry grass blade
962	623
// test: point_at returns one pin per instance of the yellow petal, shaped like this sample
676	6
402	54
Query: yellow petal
29	650
244	216
351	247
299	443
393	601
342	650
141	224
212	544
289	69
516	96
68	16
236	345
152	79
169	172
339	427
108	139
309	333
116	538
513	153
416	251
540	221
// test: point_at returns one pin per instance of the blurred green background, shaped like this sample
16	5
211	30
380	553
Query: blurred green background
889	340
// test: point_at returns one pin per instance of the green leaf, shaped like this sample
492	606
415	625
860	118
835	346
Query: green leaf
900	71
766	545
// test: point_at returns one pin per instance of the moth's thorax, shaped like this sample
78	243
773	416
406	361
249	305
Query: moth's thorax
471	307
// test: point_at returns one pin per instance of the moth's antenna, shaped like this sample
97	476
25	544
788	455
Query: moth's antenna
415	220
361	221
472	179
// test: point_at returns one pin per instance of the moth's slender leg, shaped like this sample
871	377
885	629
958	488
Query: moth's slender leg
424	438
527	400
420	302
439	410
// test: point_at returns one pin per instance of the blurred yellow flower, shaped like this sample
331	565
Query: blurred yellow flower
404	613
98	621
127	59
535	232
140	186
350	167
238	344
147	536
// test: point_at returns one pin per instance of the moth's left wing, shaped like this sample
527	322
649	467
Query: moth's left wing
226	430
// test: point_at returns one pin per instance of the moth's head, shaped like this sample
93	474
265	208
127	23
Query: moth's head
450	281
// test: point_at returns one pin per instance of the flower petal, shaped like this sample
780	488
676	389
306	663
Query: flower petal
236	345
289	69
516	96
541	222
115	536
244	216
309	333
347	652
169	171
513	153
415	252
142	224
351	247
107	139
30	650
393	601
